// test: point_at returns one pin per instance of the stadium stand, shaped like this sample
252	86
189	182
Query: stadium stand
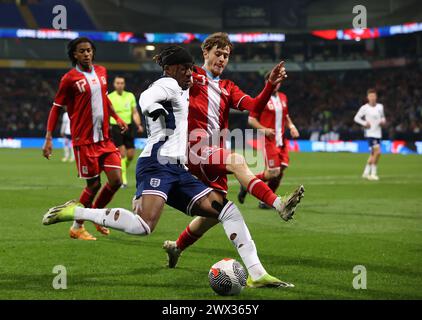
10	17
39	14
319	102
78	19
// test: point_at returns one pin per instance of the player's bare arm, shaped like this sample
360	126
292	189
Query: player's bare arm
123	125
137	120
254	123
293	130
53	117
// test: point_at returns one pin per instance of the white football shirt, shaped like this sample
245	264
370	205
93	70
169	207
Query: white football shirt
171	131
65	128
374	115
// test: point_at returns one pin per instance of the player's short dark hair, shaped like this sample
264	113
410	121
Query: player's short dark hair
172	55
119	76
219	39
371	90
71	48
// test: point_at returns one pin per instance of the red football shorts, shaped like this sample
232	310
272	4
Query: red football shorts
276	156
210	167
93	158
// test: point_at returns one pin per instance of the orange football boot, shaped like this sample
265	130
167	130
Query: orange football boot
102	230
80	234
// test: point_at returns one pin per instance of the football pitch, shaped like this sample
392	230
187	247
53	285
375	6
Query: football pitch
342	222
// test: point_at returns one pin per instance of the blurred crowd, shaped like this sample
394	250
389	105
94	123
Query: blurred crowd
322	104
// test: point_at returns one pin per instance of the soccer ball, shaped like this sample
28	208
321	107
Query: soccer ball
227	277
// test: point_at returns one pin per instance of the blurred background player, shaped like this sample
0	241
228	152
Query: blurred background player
83	90
124	103
67	139
371	117
273	120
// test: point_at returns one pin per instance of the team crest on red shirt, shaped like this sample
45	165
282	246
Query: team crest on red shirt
103	79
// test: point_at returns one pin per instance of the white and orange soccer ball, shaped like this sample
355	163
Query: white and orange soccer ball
227	277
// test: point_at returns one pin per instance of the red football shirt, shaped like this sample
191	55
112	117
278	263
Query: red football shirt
210	100
85	96
274	116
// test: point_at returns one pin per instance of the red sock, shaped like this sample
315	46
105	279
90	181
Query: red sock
186	239
86	198
260	190
261	176
105	196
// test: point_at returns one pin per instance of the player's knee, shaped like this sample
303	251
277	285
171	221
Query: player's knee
150	225
94	185
218	205
115	183
273	173
236	162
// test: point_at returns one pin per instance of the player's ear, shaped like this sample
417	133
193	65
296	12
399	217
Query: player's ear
205	53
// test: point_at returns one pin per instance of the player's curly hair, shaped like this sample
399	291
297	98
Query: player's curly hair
71	48
219	39
173	55
163	55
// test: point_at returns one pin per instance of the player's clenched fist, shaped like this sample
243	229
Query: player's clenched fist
123	125
47	148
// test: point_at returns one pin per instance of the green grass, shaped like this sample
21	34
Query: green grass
343	221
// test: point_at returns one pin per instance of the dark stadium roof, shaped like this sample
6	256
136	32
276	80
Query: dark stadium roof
243	15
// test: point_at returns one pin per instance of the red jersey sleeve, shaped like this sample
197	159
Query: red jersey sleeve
242	101
62	94
254	114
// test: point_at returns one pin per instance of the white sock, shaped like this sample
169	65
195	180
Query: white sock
277	204
237	231
66	152
117	218
374	169
77	225
367	170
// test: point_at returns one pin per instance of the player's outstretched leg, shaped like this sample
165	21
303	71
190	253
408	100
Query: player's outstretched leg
201	225
243	192
238	233
116	218
285	207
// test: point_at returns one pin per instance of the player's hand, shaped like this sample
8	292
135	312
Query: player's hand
123	125
157	113
294	132
269	133
278	74
367	125
47	148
